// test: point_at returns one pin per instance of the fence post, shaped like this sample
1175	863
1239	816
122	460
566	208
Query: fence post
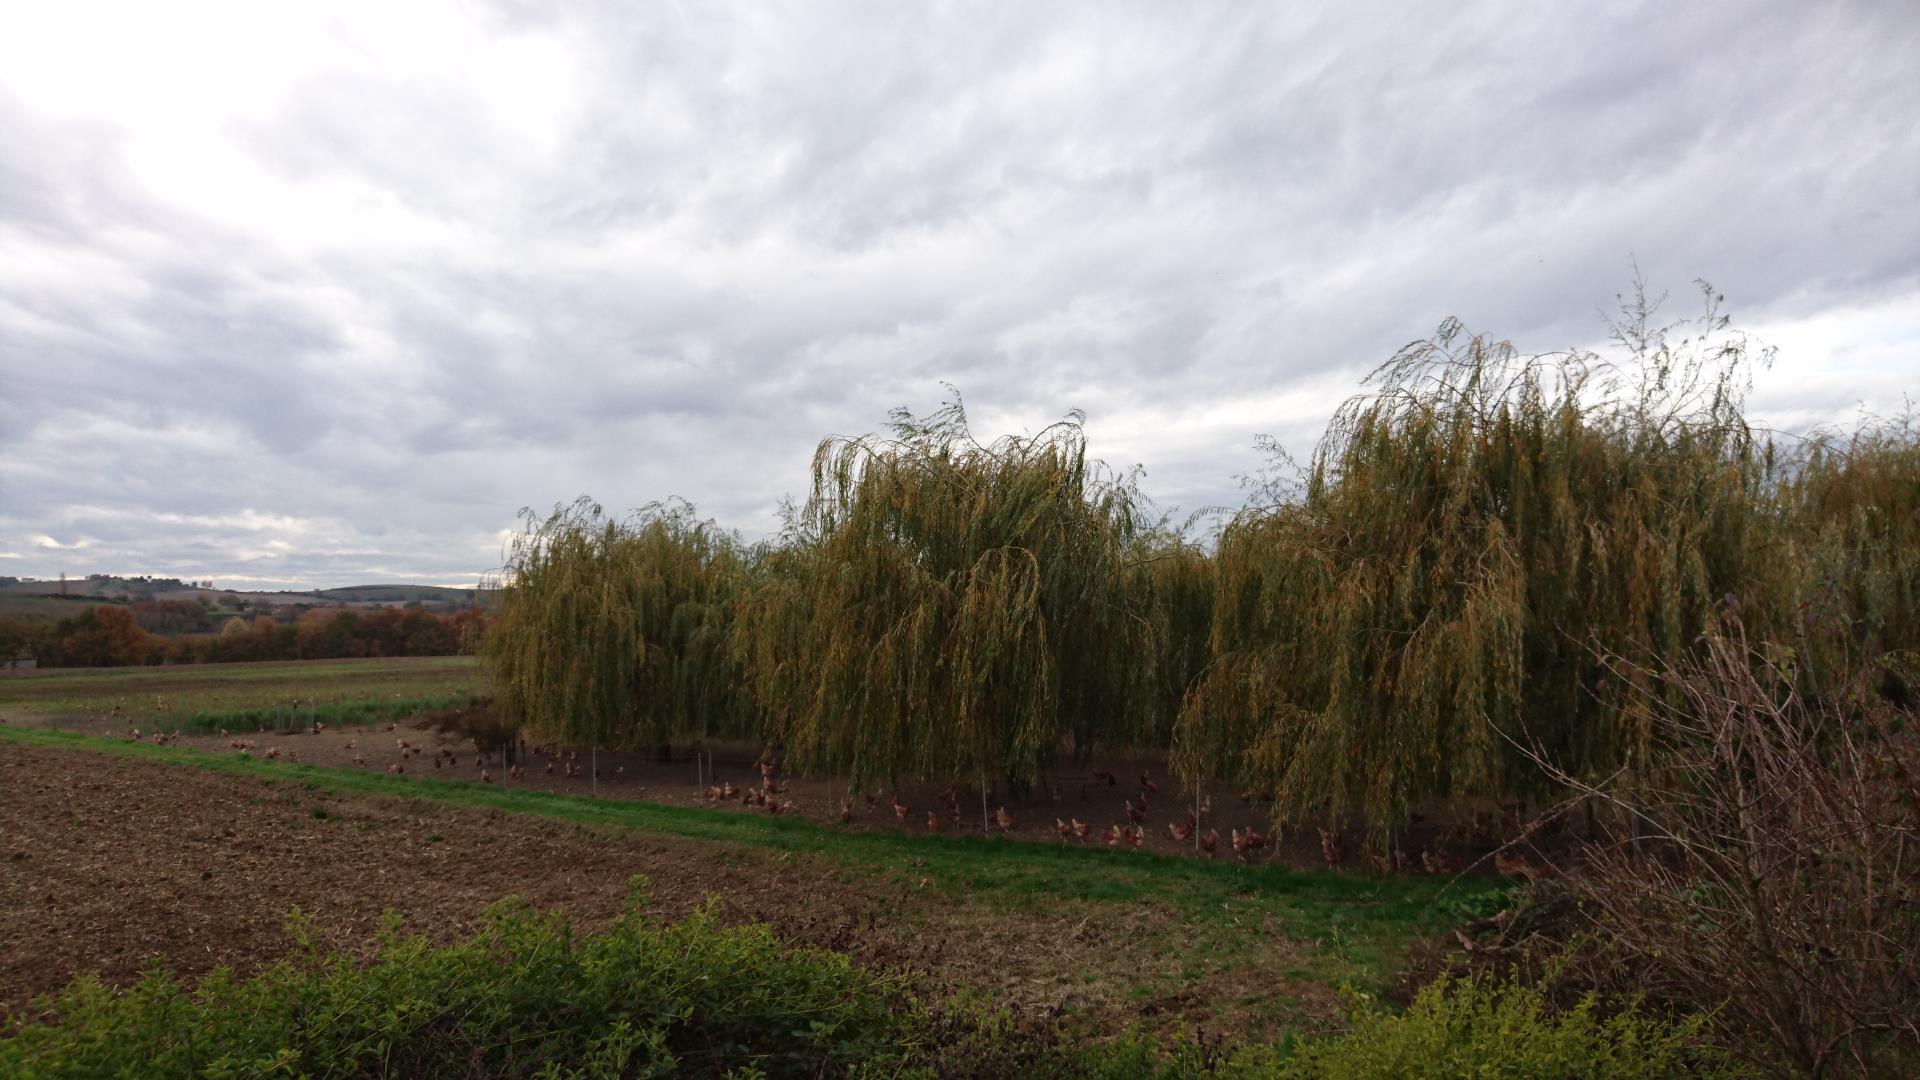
984	830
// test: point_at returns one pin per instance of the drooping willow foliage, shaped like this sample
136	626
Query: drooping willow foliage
1855	503
1484	562
1473	535
615	632
951	609
1169	579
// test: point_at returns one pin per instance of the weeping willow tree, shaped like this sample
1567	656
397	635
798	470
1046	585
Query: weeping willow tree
1168	579
944	608
1854	503
614	632
1472	533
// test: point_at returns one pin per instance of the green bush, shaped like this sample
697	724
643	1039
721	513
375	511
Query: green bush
1474	1028
524	998
1454	1028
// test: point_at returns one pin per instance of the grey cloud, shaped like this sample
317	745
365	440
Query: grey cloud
755	227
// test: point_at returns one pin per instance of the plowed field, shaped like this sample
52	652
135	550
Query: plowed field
115	863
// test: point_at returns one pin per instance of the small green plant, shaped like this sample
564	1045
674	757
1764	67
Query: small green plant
1470	1027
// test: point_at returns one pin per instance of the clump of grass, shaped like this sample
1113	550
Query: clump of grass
1454	1027
302	715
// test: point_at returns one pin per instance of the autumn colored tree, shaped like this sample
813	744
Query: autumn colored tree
19	637
947	608
1472	535
103	636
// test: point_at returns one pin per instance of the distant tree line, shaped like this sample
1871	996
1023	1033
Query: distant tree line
186	632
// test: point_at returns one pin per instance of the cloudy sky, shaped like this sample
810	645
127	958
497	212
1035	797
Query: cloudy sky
324	294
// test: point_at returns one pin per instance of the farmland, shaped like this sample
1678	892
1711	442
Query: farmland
189	856
983	722
141	854
238	696
43	608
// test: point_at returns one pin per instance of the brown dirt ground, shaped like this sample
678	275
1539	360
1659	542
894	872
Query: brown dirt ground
115	865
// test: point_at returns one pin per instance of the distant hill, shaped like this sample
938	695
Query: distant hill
426	594
45	608
103	588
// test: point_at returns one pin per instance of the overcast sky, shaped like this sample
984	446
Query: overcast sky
324	295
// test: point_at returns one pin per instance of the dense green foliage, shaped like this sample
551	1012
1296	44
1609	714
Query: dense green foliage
526	997
614	632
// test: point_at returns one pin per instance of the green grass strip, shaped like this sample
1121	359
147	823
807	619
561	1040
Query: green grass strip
297	717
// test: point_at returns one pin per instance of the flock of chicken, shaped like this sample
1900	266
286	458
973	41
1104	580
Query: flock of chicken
766	796
1245	845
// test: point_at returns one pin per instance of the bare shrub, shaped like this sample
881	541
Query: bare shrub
1766	871
491	732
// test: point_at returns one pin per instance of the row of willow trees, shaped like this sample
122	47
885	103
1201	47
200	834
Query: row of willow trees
1485	561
